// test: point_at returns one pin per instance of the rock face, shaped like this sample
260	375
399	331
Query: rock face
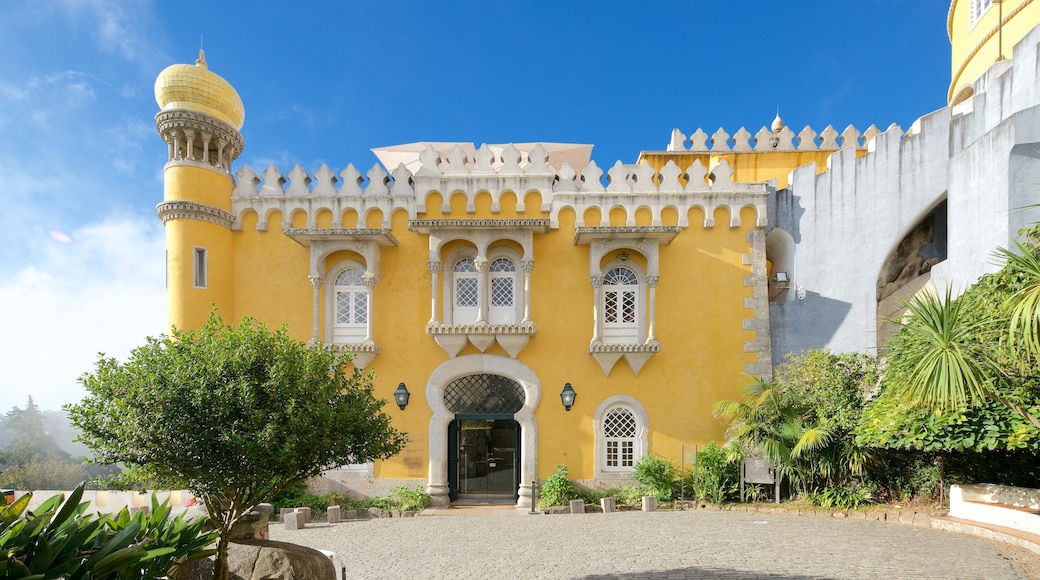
263	559
251	559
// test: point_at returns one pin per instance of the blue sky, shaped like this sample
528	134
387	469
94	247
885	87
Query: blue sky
81	250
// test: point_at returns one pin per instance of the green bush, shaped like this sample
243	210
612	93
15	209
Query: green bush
715	476
59	541
404	499
841	497
557	489
630	495
657	476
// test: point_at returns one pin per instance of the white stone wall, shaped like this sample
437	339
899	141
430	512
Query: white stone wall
983	156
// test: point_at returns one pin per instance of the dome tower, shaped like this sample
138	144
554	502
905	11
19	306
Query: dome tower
200	117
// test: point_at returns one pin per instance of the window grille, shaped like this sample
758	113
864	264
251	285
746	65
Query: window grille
484	394
351	307
619	430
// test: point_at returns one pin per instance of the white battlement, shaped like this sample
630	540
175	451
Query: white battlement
509	170
765	140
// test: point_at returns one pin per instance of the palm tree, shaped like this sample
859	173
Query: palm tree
942	359
769	422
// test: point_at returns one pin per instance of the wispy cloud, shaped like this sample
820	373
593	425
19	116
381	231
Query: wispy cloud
103	292
120	26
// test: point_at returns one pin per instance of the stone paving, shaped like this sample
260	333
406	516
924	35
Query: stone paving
682	544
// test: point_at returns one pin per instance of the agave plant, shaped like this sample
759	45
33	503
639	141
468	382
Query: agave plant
59	540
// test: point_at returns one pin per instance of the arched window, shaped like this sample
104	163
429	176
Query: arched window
620	306
622	428
619	437
465	295
350	305
503	291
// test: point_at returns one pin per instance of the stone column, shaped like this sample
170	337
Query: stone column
316	283
597	305
176	145
206	137
527	266
651	283
435	302
370	285
189	138
482	289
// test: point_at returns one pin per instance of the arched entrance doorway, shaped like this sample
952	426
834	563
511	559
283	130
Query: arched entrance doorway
484	439
483	412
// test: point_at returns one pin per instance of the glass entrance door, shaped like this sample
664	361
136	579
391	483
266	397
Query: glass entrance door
485	459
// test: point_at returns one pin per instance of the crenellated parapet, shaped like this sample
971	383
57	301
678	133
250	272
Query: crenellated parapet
509	170
768	139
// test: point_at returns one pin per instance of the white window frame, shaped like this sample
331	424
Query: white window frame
352	332
511	314
464	314
639	441
976	10
199	267
622	332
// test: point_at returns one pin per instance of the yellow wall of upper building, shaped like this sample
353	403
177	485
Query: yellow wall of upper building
974	48
750	167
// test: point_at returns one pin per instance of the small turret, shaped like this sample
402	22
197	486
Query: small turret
200	118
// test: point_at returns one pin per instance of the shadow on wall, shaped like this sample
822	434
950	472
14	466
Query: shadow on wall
801	325
785	212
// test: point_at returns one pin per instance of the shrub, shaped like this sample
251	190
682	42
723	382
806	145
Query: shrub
59	540
557	489
630	495
657	476
404	499
840	497
714	476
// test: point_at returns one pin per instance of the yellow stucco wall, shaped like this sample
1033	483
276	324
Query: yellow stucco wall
186	305
700	309
975	48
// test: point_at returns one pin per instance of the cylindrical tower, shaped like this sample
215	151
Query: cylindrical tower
981	33
200	118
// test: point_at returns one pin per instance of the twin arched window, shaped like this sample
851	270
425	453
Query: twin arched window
500	304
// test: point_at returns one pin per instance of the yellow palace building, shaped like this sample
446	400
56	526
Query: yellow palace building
539	309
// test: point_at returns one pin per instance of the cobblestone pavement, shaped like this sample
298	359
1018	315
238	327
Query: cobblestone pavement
690	544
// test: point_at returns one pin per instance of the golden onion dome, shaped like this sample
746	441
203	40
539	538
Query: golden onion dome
195	88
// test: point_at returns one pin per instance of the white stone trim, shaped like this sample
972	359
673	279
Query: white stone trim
642	434
172	210
474	364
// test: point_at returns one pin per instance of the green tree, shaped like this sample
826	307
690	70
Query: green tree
234	414
28	437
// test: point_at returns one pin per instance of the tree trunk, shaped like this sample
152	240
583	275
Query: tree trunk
220	567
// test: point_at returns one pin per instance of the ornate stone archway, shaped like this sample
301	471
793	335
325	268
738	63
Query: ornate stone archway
458	367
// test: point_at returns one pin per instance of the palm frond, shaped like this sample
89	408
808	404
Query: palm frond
812	439
939	366
1025	303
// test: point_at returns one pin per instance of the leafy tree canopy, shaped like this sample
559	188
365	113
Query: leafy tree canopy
234	414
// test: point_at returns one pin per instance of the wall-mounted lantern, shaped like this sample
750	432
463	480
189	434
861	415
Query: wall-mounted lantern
401	396
567	396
